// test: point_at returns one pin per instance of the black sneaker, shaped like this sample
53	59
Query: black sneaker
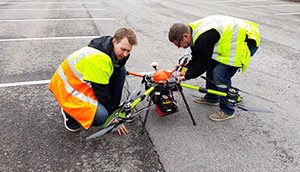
70	123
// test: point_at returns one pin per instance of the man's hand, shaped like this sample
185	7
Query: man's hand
180	77
122	129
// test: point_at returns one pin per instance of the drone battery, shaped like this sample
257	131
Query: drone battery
166	111
164	100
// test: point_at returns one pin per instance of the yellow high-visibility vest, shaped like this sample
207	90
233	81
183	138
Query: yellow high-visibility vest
231	49
71	83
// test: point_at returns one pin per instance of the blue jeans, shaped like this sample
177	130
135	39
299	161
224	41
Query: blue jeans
116	83
221	73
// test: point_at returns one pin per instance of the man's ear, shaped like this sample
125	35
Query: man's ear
114	41
186	35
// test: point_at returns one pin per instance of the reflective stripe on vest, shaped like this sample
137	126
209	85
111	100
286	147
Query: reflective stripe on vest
231	49
72	62
74	94
72	91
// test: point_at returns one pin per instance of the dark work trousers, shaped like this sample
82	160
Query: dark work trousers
223	73
220	73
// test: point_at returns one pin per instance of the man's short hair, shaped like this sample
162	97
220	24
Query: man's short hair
177	30
128	33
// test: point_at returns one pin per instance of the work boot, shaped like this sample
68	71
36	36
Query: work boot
220	116
70	123
202	100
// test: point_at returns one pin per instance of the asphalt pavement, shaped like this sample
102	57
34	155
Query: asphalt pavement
36	36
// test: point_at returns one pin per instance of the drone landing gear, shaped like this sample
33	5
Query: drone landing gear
146	116
185	102
187	106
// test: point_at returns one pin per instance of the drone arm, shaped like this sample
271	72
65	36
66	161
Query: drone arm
216	92
141	98
135	74
122	113
204	90
184	62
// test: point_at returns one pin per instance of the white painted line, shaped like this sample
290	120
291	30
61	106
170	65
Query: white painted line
284	5
53	2
46	81
253	6
56	9
48	38
233	1
275	5
69	19
287	14
25	83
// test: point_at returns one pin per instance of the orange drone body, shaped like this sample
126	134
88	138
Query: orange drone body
161	76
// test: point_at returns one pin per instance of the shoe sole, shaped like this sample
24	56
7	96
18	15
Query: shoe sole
229	117
65	121
207	103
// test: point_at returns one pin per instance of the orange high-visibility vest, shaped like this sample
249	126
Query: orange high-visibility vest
71	83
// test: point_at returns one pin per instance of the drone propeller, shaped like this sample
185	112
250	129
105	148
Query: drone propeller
115	126
106	130
252	109
123	113
222	85
135	94
247	108
108	126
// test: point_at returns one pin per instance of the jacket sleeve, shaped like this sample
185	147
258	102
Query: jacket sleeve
202	53
102	94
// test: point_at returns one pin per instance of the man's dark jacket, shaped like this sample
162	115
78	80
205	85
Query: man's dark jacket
202	52
101	91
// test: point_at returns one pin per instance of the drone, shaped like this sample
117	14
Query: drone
159	89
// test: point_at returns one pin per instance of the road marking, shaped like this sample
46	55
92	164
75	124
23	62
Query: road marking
241	1
57	9
69	19
15	2
47	38
25	83
286	14
284	5
45	81
275	5
238	1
